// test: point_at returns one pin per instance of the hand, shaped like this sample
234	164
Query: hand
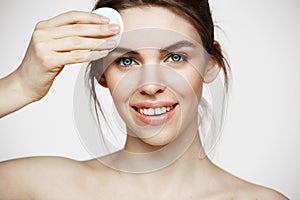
69	38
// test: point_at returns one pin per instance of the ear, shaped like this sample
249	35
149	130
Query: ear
211	72
213	67
102	81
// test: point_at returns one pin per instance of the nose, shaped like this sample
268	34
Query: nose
151	89
151	81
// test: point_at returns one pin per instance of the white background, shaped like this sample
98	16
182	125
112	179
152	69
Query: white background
261	138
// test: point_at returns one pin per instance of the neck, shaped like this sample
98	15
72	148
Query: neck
152	175
188	170
138	157
165	169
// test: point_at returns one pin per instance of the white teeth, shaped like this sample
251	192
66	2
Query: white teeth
154	111
151	111
146	112
157	111
141	111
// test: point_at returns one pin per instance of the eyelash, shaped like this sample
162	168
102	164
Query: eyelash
122	59
183	57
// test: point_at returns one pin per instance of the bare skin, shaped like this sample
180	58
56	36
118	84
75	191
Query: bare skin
54	44
61	178
189	177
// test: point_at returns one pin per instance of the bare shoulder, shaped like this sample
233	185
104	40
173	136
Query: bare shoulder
236	188
253	191
40	165
249	191
34	175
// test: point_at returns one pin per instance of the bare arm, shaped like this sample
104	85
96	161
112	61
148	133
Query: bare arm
13	95
69	38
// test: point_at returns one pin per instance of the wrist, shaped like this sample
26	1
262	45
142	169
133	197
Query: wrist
12	95
21	88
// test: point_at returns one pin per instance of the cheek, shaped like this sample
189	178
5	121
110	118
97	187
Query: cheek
195	81
197	85
117	84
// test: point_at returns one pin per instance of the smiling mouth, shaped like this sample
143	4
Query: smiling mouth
155	111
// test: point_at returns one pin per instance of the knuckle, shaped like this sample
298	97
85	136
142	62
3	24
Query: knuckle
73	15
104	29
77	28
40	25
78	57
37	35
76	41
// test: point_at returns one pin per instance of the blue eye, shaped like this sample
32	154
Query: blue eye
175	58
125	62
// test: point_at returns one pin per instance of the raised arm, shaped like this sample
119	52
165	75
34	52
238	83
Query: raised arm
69	38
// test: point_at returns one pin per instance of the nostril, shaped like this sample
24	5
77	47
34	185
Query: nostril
143	92
160	91
152	89
151	93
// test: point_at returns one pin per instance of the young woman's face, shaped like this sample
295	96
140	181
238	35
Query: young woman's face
154	75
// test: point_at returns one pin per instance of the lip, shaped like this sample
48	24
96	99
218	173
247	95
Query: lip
157	119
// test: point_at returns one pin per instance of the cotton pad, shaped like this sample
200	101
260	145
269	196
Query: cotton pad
114	17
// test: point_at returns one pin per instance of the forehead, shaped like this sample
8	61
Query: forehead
159	18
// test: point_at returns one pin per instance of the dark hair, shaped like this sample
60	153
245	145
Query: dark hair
196	11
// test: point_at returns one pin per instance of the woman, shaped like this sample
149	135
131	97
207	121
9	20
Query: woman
52	46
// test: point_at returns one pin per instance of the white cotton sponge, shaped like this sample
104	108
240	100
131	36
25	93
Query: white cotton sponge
114	17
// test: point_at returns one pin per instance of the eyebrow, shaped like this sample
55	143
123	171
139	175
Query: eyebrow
170	48
122	50
178	45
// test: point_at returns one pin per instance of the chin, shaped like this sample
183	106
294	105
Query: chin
161	139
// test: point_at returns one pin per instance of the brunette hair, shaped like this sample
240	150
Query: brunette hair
196	11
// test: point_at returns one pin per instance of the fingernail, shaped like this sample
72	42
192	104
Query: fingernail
110	43
104	19
103	52
99	54
95	55
114	27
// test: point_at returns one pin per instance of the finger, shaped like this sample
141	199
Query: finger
81	43
73	17
79	57
85	30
